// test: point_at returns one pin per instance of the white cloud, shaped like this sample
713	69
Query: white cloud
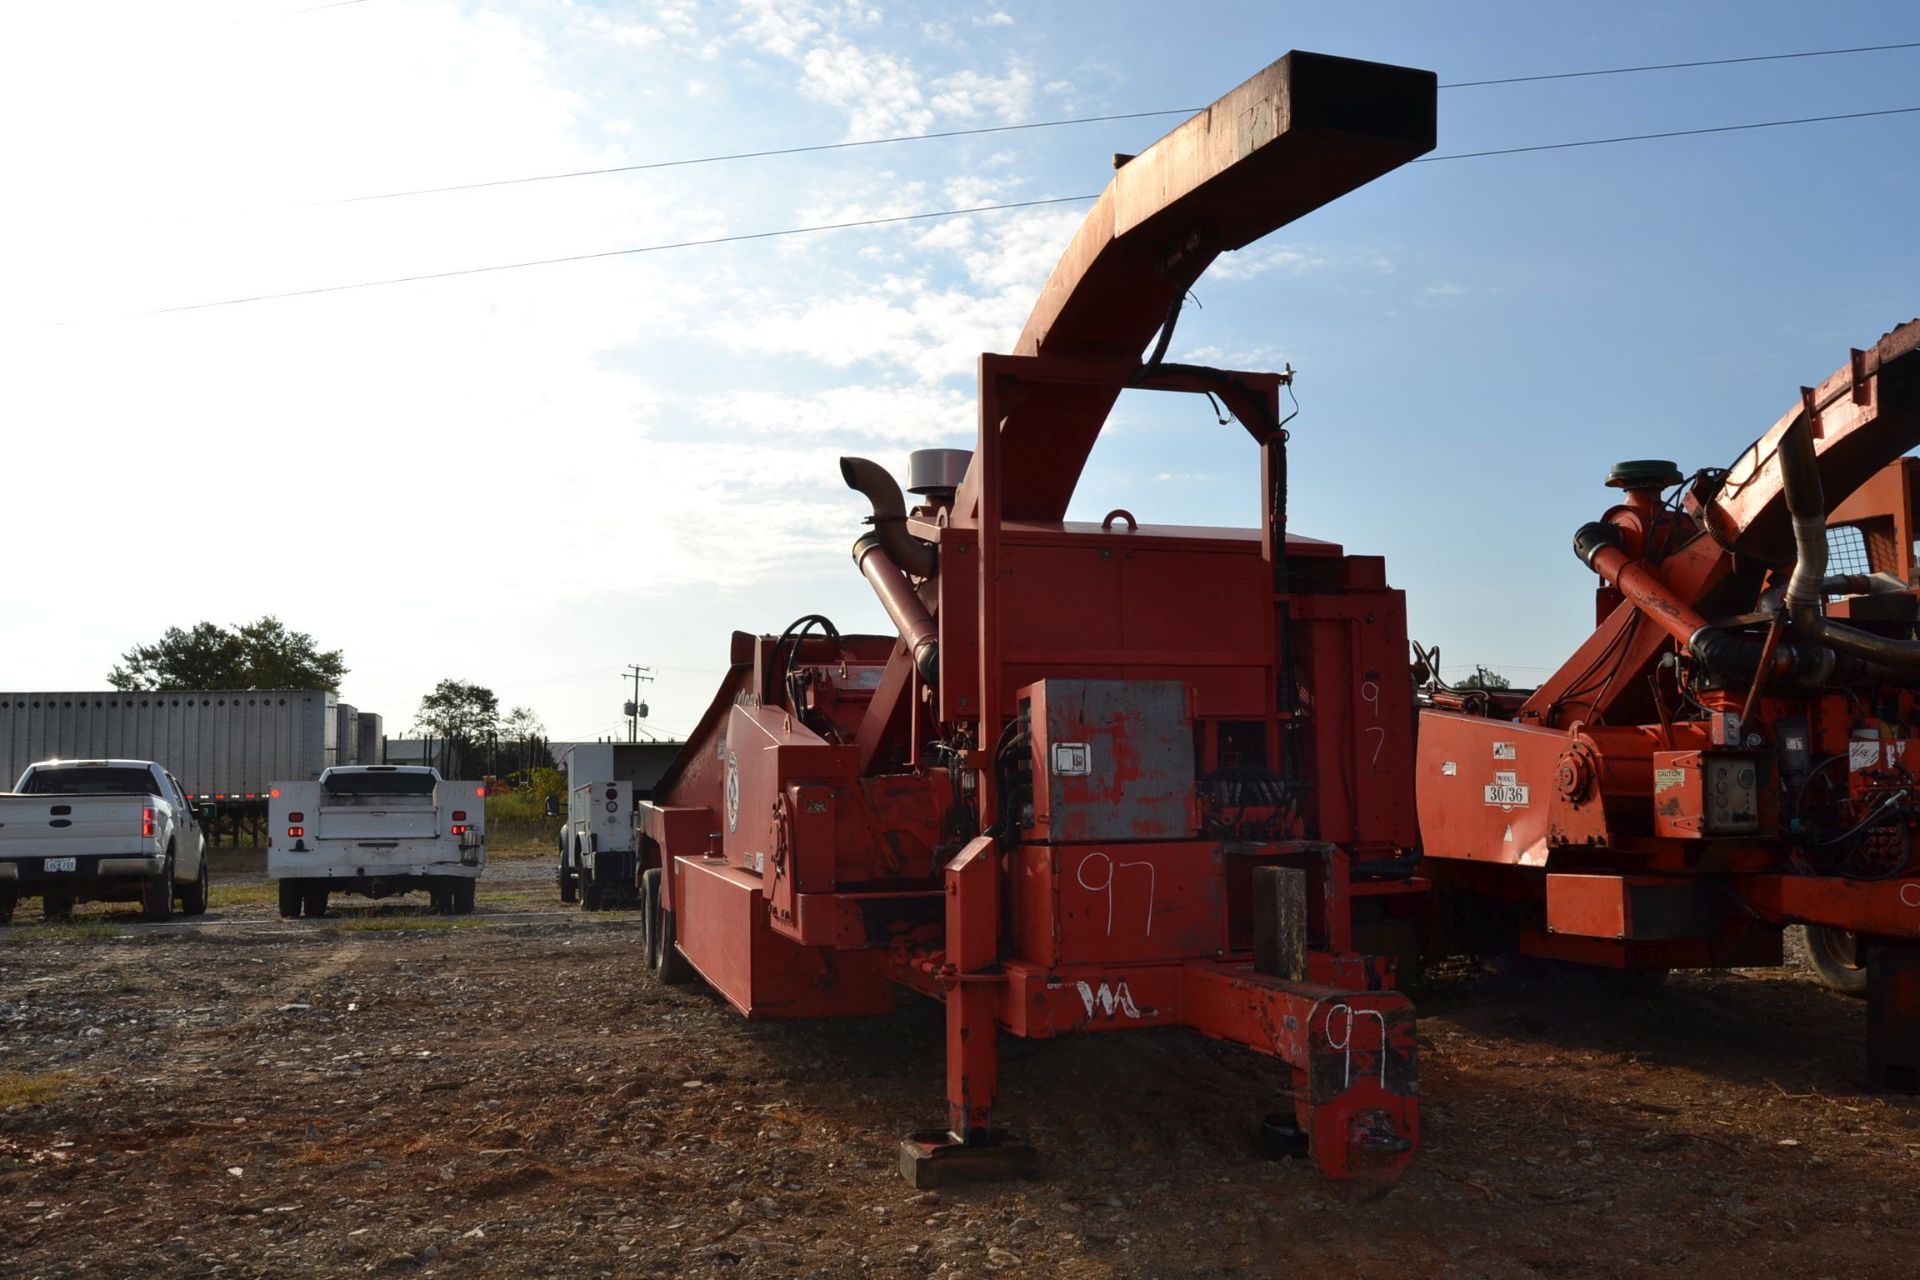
1264	356
1258	260
879	93
932	333
777	26
917	416
969	94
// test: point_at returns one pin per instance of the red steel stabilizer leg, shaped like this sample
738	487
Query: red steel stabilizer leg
1893	1015
1356	1072
968	1149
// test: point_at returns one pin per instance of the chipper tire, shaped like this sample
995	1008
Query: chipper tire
1834	956
669	965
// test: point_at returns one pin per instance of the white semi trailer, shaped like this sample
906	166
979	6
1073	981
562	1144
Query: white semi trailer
224	745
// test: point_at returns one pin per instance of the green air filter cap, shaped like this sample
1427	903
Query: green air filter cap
1644	473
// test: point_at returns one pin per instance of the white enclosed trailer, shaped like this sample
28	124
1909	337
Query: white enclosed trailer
227	745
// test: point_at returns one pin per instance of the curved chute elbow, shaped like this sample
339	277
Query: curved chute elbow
873	482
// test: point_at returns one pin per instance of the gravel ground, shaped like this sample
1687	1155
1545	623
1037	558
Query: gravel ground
508	1095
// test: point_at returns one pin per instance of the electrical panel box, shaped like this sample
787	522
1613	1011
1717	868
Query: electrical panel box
1110	760
1702	793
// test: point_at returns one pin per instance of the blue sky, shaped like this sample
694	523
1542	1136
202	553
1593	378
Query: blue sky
645	444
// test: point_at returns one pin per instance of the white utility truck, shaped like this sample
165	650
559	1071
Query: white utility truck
102	831
599	863
376	830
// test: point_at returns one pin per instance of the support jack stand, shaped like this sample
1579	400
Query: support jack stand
934	1158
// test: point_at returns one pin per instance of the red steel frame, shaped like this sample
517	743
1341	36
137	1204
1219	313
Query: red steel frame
1590	817
1328	1025
825	835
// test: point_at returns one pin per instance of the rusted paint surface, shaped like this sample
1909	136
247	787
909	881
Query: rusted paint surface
1111	759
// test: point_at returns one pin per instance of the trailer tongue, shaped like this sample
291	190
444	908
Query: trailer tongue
1106	776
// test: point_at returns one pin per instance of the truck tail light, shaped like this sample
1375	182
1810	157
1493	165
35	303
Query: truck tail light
274	794
480	791
296	817
459	815
461	829
146	822
296	832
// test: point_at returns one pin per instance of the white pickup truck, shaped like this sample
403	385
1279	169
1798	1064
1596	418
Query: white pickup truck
377	830
102	831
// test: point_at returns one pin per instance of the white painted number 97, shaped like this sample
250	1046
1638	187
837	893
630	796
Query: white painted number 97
1103	883
1370	694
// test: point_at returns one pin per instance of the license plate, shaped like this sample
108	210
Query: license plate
58	864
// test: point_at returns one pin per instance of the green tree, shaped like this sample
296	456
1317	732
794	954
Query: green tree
523	740
1484	679
465	717
262	654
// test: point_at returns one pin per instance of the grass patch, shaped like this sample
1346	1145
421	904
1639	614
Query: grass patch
395	924
243	895
81	931
29	1088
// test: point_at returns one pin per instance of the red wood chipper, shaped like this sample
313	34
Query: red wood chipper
1105	776
1737	746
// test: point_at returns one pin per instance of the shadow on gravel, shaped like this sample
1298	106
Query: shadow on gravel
1733	1026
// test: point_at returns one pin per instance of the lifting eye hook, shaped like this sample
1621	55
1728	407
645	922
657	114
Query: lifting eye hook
1120	513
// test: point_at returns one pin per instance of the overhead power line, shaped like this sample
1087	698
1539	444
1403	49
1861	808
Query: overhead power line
755	155
615	253
1681	66
1670	133
951	213
1053	124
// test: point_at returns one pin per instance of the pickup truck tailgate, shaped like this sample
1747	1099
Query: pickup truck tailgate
78	824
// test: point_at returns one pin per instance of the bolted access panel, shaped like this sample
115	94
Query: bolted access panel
1111	759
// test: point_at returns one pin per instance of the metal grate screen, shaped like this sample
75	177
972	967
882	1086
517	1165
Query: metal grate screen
1847	550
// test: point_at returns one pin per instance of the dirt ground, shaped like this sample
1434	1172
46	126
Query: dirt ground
506	1095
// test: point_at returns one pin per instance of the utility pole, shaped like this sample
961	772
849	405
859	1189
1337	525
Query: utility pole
636	710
